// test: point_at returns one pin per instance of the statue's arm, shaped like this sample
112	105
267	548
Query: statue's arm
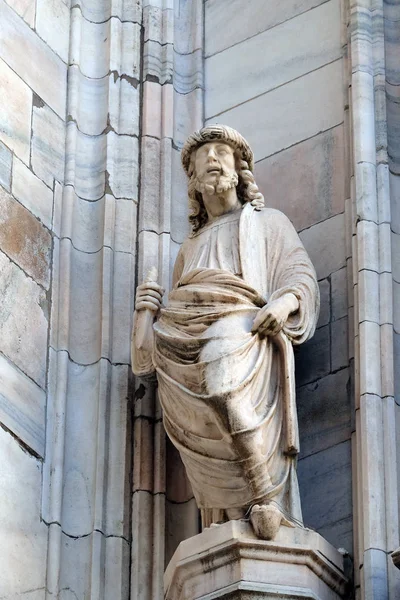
148	302
295	277
293	303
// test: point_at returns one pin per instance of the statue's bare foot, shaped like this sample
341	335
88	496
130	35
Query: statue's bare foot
266	520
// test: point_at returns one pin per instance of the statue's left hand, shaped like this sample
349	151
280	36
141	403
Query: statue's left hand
272	317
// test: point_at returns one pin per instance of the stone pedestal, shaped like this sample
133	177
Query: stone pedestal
227	561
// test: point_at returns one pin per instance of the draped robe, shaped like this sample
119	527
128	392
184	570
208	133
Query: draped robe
228	395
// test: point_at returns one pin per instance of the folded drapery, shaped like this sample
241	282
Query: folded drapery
222	390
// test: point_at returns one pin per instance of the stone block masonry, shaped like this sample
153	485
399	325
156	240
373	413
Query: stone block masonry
33	95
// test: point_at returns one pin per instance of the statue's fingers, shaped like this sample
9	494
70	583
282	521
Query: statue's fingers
259	320
149	292
148	298
151	285
270	326
147	303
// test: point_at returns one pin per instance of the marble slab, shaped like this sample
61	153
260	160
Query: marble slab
22	406
272	58
5	167
29	56
23	322
48	145
52	25
16	111
291	113
25	9
306	181
325	244
24	239
32	192
325	488
238	24
22	532
324	413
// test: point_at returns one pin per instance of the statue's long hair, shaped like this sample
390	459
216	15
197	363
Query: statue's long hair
247	191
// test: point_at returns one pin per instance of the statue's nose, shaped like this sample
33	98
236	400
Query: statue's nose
211	154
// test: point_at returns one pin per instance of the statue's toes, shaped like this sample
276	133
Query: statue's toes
266	520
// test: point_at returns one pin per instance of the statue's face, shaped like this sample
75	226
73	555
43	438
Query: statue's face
213	160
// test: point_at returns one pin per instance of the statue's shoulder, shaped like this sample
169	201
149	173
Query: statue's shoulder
272	216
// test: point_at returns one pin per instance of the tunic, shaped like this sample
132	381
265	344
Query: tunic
227	394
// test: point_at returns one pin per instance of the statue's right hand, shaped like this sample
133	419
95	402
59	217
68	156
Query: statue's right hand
149	296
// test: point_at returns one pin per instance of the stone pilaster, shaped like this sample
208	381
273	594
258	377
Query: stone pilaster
375	497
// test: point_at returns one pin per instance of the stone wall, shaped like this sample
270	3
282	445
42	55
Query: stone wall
33	53
97	98
277	75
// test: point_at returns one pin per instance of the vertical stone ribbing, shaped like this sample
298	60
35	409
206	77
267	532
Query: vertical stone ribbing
171	109
88	449
377	513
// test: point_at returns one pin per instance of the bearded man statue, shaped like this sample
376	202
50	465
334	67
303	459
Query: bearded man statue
243	292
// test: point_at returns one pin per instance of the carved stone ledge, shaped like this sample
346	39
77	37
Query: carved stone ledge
396	558
227	561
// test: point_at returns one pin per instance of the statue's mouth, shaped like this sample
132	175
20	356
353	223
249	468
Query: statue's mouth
214	170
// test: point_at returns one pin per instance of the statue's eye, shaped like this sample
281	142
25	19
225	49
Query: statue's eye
222	151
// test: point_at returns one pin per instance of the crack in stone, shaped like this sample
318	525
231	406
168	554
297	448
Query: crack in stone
85	535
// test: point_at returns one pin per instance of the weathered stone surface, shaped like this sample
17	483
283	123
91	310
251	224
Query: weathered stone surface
122	306
100	12
52	25
48	145
123	105
325	303
296	47
158	61
114	580
339	293
24	239
22	406
396	342
259	16
227	561
122	165
125	225
313	359
5	167
325	489
124	48
188	27
34	61
25	9
88	99
23	321
16	103
84	222
326	246
340	343
23	535
181	522
306	181
32	192
291	113
85	167
324	413
83	336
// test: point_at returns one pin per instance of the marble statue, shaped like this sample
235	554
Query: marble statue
243	293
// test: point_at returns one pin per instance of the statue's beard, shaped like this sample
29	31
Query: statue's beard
225	181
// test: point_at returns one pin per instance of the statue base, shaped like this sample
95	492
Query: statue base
228	561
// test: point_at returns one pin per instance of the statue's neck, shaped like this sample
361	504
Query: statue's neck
219	204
